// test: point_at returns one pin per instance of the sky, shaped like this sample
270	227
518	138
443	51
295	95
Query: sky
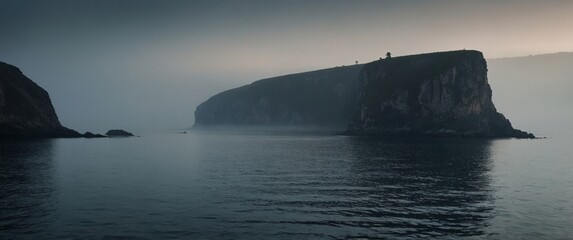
147	64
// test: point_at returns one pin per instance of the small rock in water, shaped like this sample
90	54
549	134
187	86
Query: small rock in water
92	135
118	133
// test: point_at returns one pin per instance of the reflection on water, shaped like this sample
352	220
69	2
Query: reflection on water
281	186
26	186
426	187
370	187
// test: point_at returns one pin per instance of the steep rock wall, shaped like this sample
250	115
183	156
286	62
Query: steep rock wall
430	94
26	109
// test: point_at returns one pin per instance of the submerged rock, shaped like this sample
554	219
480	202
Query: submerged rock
118	133
26	109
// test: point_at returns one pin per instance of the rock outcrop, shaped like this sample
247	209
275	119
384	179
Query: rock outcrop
93	135
118	133
439	94
26	109
322	99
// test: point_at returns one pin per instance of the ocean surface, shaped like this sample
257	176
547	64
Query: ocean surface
286	186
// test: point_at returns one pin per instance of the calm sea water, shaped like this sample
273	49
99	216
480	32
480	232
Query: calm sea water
285	186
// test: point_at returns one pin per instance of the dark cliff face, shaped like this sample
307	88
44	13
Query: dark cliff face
25	108
320	99
430	94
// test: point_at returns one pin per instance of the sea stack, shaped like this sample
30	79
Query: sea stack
26	109
437	94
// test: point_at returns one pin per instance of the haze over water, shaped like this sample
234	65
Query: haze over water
102	61
285	186
144	66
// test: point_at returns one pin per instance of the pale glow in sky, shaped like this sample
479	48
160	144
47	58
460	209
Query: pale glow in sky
148	64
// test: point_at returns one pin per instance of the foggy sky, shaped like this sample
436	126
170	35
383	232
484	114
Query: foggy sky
148	64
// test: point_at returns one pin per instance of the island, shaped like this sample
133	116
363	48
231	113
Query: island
433	94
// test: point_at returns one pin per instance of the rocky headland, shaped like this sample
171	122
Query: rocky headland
435	94
26	110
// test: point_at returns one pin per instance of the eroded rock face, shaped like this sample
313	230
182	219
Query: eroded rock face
430	94
26	109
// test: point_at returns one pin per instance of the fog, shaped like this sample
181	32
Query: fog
534	92
148	64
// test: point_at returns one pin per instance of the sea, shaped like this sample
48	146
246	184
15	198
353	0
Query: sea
286	185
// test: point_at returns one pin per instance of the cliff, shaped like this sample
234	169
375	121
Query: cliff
322	99
430	94
26	109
